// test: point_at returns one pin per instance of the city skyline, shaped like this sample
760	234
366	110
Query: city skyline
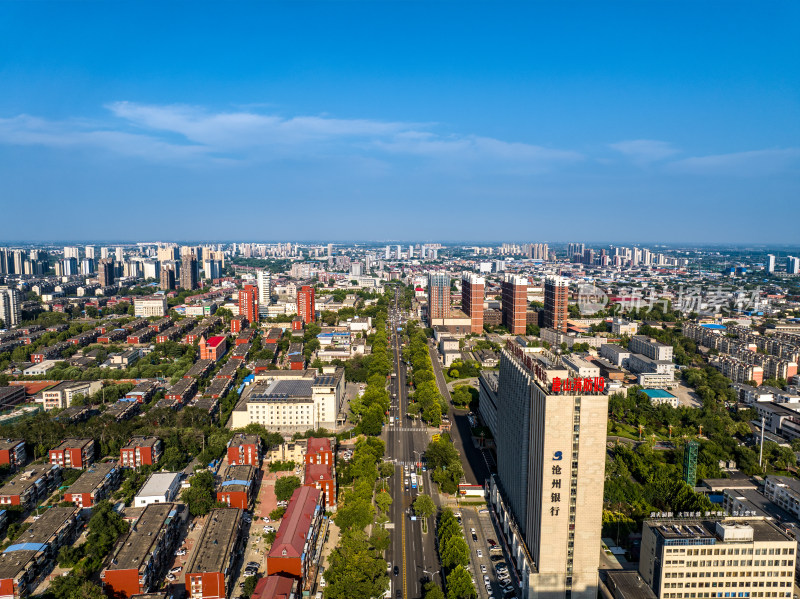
623	118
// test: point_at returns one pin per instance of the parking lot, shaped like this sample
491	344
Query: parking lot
486	563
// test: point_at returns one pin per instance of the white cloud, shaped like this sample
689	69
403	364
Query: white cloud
645	151
179	132
754	163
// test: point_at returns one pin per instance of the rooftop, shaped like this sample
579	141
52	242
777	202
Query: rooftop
34	540
216	541
136	547
158	484
73	444
318	444
657	394
238	478
93	477
296	522
215	341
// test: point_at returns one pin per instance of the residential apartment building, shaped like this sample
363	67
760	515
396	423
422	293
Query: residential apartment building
188	276
141	451
60	396
147	307
647	346
514	302
210	572
248	303
244	449
472	297
438	296
322	477
319	450
10	306
553	498
213	348
556	301
30	486
140	558
160	487
73	453
33	553
291	553
306	307
238	486
96	484
12	453
696	557
784	491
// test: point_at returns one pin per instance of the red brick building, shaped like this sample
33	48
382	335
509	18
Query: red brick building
73	453
306	308
319	451
244	449
320	476
556	300
276	587
210	573
238	487
300	525
141	451
94	485
472	296
514	295
238	323
213	349
12	451
248	303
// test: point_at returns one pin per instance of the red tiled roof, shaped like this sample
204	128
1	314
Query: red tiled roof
293	530
316	445
274	587
315	472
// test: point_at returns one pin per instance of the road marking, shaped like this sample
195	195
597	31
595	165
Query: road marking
405	583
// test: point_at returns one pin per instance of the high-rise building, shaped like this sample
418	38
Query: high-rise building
119	254
90	251
188	276
167	253
306	307
248	303
438	296
167	276
551	470
3	261
264	284
556	298
387	253
71	252
19	261
103	253
105	272
792	265
212	269
514	295
472	296
87	266
770	263
10	307
70	266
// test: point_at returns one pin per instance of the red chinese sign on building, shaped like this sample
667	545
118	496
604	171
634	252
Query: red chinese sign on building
578	385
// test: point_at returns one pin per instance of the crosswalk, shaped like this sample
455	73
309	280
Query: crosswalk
413	429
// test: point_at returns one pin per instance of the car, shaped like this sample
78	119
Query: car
180	552
472	530
171	577
396	571
265	518
492	542
406	487
474	537
176	569
483	568
479	553
253	564
496	558
483	511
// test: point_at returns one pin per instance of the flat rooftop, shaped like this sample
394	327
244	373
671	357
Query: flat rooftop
238	478
93	477
211	553
34	540
134	550
158	483
26	479
684	530
73	444
657	394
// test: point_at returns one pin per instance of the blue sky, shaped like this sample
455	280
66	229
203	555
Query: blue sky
558	121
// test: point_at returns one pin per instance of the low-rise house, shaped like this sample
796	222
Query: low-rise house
160	487
141	451
73	453
238	486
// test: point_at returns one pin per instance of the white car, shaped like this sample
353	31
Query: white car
176	569
180	552
483	568
479	553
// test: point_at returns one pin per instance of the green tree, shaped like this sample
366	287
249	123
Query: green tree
285	486
384	501
454	552
372	421
200	496
433	591
249	586
459	584
424	506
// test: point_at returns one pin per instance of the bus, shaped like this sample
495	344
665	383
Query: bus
413	481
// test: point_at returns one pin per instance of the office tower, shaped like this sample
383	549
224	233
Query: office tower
792	265
556	296
438	296
119	254
770	263
87	266
90	251
514	295
305	304
70	252
551	469
10	306
167	253
356	269
167	276
70	266
188	276
212	269
690	463
105	272
330	250
264	284
387	253
472	296
248	303
410	252
3	261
